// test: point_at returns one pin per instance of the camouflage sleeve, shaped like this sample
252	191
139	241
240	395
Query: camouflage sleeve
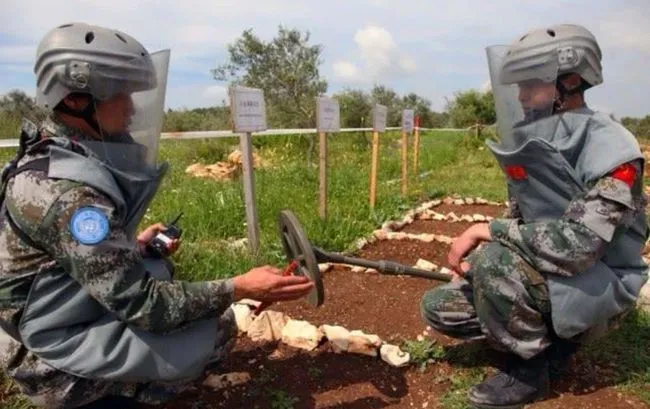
575	241
512	211
113	273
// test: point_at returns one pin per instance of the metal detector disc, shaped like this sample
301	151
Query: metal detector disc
297	247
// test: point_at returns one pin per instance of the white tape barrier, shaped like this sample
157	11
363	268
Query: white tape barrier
13	143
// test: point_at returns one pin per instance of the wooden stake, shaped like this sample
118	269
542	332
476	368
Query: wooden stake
416	151
249	193
373	172
404	162
323	174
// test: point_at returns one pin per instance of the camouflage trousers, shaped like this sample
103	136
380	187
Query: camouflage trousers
48	387
502	299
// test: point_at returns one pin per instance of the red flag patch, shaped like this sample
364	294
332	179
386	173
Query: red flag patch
626	173
516	172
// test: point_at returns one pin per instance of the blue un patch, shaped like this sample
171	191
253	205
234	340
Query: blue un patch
89	225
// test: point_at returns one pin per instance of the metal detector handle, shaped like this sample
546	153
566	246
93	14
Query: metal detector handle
400	269
383	266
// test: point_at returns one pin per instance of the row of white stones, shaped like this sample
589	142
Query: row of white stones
270	326
389	230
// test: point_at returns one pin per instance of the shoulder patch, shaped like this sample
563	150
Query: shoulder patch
89	225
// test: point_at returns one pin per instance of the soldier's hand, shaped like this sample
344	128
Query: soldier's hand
464	244
267	284
149	233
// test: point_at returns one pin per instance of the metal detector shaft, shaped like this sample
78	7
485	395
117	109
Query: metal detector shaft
383	266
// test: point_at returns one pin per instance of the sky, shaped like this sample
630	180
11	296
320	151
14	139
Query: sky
431	47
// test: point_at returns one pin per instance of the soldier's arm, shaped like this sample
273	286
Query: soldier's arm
113	273
572	243
512	211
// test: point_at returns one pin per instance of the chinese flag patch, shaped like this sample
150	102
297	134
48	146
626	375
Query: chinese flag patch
626	173
516	172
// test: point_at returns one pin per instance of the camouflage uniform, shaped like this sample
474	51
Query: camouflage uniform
111	272
504	298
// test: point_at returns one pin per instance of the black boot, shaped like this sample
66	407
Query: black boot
559	354
524	381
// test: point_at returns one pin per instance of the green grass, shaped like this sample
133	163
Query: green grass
215	212
423	353
460	382
627	352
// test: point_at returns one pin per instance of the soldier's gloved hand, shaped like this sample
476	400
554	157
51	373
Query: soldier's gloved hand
464	244
149	233
266	284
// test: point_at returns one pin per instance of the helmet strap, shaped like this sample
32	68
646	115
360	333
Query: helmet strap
560	102
86	114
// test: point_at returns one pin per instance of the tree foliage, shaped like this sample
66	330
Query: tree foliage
471	107
286	69
640	127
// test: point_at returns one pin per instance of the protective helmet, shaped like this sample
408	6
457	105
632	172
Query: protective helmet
548	53
83	58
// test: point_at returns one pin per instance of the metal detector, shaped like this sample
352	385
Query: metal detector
298	248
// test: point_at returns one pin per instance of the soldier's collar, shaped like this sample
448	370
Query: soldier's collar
53	127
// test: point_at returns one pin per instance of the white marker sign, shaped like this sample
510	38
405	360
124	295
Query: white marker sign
328	115
248	109
379	114
407	120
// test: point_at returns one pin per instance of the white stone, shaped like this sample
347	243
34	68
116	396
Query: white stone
388	226
238	244
398	225
436	202
337	336
407	220
478	217
371	271
481	201
444	239
243	316
218	382
392	355
425	216
426	237
267	326
358	269
301	334
380	234
469	201
438	216
459	202
451	216
361	243
425	265
448	200
423	207
324	267
446	271
397	236
466	218
360	343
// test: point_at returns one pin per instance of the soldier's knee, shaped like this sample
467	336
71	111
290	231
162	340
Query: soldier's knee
490	262
435	302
